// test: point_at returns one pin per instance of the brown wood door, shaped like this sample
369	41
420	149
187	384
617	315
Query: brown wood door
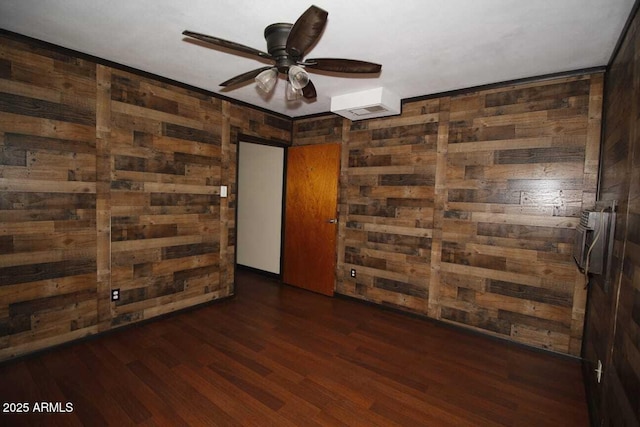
311	206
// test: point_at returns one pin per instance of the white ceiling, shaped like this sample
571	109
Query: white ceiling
424	46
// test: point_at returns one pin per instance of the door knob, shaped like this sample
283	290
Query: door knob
332	220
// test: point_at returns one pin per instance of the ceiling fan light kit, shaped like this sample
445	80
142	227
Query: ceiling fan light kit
267	79
298	77
291	93
287	45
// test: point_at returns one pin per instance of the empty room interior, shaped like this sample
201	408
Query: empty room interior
328	213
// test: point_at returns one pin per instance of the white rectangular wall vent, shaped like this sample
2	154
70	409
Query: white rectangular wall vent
367	104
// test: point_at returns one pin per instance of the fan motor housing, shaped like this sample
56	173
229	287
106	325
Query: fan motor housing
276	36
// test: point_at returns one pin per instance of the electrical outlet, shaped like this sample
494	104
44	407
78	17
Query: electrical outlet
353	272
115	294
599	371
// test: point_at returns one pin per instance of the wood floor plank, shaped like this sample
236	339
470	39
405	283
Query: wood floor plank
278	355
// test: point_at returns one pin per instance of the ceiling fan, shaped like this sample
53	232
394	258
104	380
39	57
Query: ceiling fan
286	45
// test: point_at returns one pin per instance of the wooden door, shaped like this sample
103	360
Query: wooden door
310	212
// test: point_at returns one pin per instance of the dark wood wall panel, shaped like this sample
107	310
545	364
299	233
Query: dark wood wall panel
47	198
110	180
389	190
463	209
516	165
165	154
612	330
323	130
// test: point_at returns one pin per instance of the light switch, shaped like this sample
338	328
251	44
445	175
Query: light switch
223	191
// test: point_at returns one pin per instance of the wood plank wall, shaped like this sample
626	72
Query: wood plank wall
612	330
47	198
463	208
165	153
110	180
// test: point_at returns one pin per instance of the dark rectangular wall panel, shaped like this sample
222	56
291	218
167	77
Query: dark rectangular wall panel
165	156
612	330
47	198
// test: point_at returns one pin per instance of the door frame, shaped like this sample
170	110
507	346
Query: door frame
272	143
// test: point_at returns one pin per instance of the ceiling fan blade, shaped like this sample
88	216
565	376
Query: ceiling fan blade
309	91
342	65
227	44
306	30
245	76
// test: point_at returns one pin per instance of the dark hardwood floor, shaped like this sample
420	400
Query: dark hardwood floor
276	355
